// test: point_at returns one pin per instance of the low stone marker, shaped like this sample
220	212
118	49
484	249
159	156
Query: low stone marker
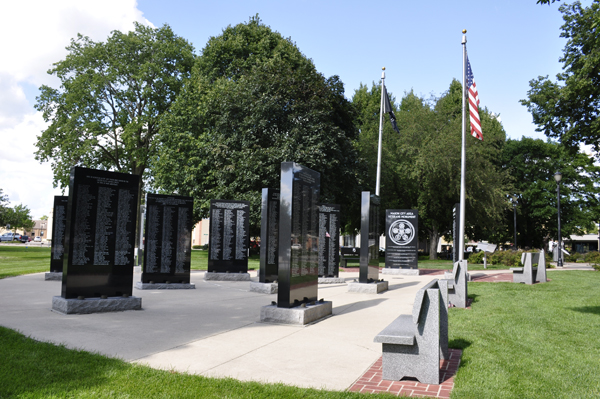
457	284
529	274
414	344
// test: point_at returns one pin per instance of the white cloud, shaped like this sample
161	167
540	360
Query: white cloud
35	34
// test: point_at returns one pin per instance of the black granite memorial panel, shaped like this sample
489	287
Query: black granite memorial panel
59	228
269	236
229	236
369	238
168	239
401	238
329	240
100	234
455	230
298	235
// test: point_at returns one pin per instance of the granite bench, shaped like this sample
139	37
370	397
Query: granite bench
529	274
457	284
413	345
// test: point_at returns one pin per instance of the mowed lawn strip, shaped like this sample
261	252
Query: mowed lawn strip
530	341
32	369
16	260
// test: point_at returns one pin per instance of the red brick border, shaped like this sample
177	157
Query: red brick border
372	382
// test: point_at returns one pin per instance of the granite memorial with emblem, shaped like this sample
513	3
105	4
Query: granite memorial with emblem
168	237
402	238
100	234
369	238
329	241
229	236
59	228
269	236
298	235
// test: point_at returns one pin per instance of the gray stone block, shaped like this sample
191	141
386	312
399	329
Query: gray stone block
164	286
528	274
457	285
368	288
331	280
263	288
413	344
95	305
402	272
226	276
540	276
54	276
296	315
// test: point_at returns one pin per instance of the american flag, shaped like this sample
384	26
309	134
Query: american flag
473	104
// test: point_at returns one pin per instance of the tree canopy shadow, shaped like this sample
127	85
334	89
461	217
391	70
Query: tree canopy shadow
588	309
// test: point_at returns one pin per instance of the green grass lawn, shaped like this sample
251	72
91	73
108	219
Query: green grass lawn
530	341
33	369
200	260
16	260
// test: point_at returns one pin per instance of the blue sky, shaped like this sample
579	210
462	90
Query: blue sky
510	42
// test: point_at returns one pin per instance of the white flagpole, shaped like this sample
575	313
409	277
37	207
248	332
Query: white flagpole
378	183
463	154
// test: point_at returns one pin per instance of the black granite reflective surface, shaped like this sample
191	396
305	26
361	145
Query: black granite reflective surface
298	235
269	236
100	234
455	232
401	238
168	239
229	236
329	240
59	230
369	238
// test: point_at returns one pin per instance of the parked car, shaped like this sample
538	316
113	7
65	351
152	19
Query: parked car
37	239
23	238
7	237
17	237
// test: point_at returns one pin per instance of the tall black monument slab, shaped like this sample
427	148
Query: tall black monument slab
59	229
269	236
168	239
402	238
329	240
229	236
455	232
298	235
100	234
369	238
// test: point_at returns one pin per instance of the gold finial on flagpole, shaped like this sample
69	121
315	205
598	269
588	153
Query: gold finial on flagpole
464	31
383	68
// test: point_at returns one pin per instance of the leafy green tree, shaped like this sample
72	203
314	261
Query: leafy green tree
532	163
113	95
421	165
19	217
4	208
568	109
253	102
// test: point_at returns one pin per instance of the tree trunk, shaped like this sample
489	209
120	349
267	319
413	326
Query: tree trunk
434	237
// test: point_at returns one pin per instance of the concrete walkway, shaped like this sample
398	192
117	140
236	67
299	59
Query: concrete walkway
215	330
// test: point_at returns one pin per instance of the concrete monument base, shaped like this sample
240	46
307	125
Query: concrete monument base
53	276
95	305
213	276
263	288
368	288
164	286
403	272
297	315
331	280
